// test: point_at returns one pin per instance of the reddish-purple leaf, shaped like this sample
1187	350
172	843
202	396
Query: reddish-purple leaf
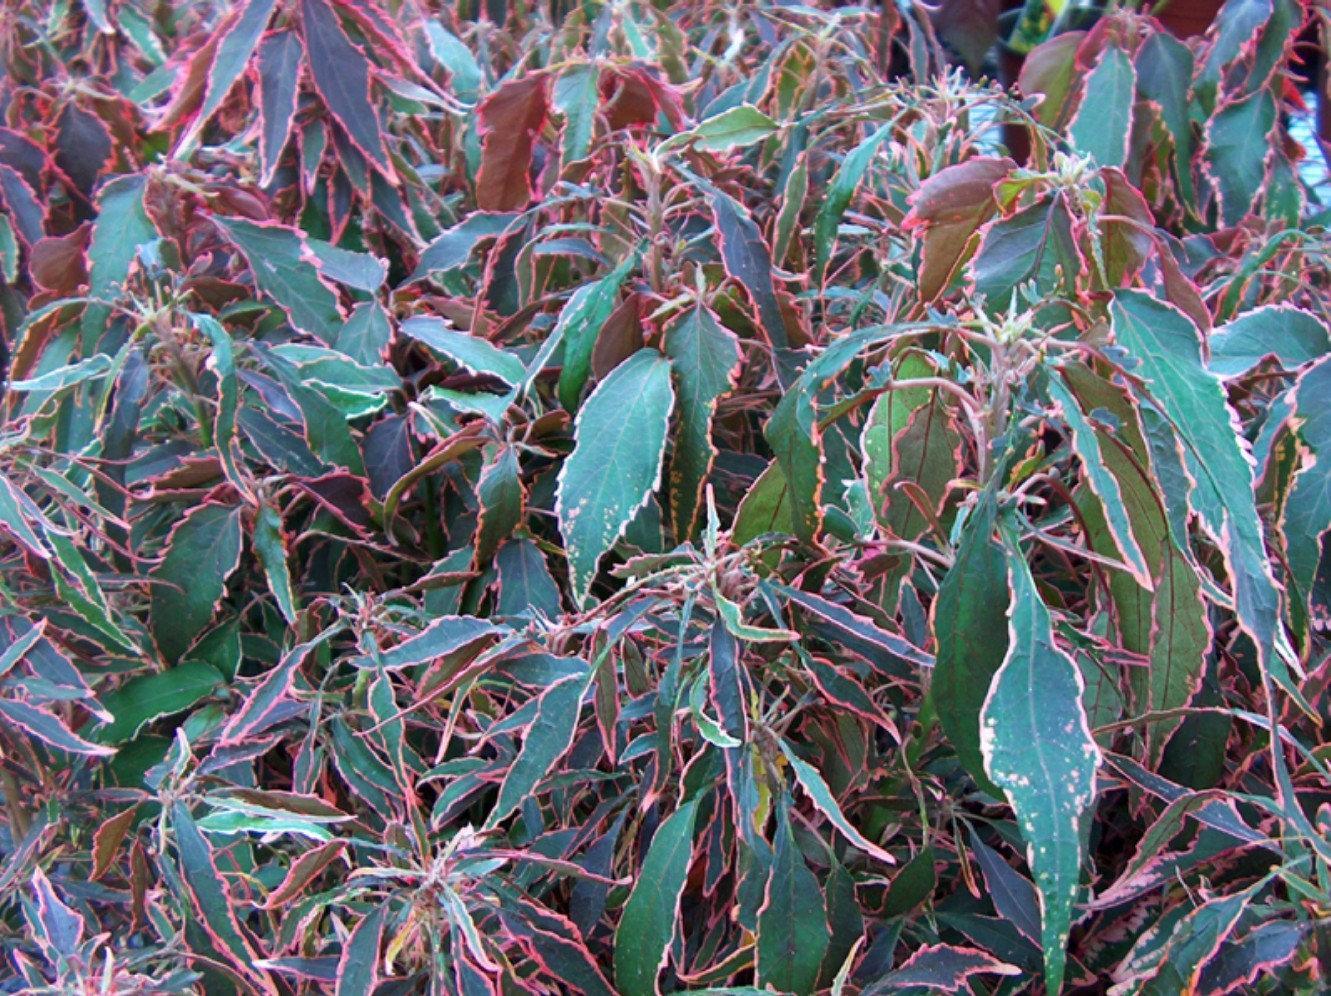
280	58
341	74
951	206
107	840
511	118
303	871
24	156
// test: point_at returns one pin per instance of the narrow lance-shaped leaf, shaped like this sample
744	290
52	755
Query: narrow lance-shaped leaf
642	940
748	260
341	74
706	358
1038	748
734	127
1102	482
223	364
616	462
270	545
1306	516
471	352
546	741
846	179
358	968
280	57
234	50
212	900
821	796
49	728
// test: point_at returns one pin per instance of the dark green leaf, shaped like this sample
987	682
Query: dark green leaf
580	324
792	923
48	728
279	259
148	697
1238	149
546	741
842	189
203	551
358	968
341	74
748	260
279	73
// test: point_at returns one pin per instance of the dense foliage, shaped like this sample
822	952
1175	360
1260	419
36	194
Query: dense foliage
656	500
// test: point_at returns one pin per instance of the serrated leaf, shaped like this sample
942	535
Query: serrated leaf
341	74
821	796
501	497
270	545
1238	150
748	260
203	550
468	351
279	260
510	119
525	583
452	249
952	205
1037	747
647	925
792	923
575	97
615	465
280	56
49	728
211	899
795	438
443	636
547	739
1034	245
580	323
1166	343
706	358
234	51
122	225
1291	335
732	128
358	968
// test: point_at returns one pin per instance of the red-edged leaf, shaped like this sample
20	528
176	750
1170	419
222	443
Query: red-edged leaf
748	260
235	47
303	871
23	205
83	144
49	728
212	899
358	968
951	206
270	691
61	927
280	57
342	76
858	633
942	968
107	840
511	117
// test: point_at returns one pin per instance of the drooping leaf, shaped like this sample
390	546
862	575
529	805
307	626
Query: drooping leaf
749	261
856	631
212	899
647	925
952	205
816	788
443	636
547	739
705	357
616	463
1038	748
501	496
792	923
510	119
1237	151
280	261
203	550
341	74
842	188
49	728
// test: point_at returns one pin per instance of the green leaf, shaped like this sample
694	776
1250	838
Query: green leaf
1034	245
615	465
795	438
821	796
1306	516
1038	748
747	259
471	352
341	74
1291	335
358	968
970	625
732	615
580	324
766	507
452	250
223	364
547	739
122	226
1166	344
732	128
203	550
270	545
501	497
792	923
706	359
357	270
642	939
839	192
576	97
451	53
279	79
366	334
279	258
1238	149
442	637
212	899
525	583
1104	123
49	728
1086	444
149	697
